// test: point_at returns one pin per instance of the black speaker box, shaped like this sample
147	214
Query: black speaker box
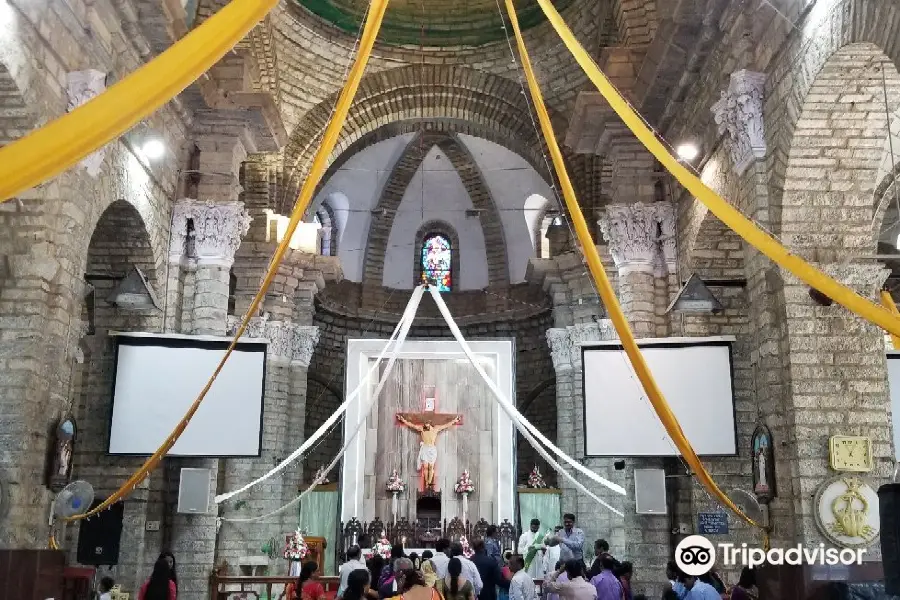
889	509
99	536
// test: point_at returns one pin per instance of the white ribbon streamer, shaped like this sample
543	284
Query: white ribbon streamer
521	423
403	328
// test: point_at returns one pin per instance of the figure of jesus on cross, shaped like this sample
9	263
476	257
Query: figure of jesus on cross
428	424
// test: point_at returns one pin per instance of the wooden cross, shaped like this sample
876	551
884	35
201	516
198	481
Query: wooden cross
428	424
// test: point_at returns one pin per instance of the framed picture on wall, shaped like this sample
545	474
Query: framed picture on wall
60	471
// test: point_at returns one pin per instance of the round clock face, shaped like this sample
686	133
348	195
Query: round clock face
847	512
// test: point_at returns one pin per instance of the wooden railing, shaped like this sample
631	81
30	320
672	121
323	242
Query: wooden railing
226	587
223	587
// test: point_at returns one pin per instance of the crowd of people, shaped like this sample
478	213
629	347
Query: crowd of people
555	559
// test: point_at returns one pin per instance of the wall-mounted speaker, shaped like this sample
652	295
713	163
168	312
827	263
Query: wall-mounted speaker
99	536
193	491
889	511
650	491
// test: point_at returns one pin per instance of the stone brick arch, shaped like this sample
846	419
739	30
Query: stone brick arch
329	229
463	99
837	24
442	228
397	183
121	238
827	205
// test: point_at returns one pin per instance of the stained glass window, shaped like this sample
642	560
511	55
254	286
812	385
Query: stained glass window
437	253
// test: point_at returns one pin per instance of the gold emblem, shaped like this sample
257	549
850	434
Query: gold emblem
847	511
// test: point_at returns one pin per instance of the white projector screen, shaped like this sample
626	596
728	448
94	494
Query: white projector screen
893	367
158	377
695	377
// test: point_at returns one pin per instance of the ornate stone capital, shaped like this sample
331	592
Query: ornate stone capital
739	113
216	234
82	86
598	331
558	340
289	343
641	236
304	341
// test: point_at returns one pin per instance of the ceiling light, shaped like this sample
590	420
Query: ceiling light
687	151
153	149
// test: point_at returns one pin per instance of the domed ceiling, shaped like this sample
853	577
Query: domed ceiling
432	22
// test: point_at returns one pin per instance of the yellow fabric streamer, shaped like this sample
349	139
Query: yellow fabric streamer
59	145
595	266
730	216
888	302
329	140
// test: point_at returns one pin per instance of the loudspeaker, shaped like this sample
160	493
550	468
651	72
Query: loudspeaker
889	511
100	535
193	491
650	491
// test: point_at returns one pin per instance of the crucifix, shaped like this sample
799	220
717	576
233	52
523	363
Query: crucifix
428	424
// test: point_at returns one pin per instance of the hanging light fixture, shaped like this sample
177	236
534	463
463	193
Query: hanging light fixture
695	297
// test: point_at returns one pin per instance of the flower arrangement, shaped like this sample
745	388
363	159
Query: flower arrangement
383	548
296	548
467	550
535	480
395	485
464	484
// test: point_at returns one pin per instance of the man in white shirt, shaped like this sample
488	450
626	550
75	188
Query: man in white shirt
521	587
527	541
354	563
441	559
469	570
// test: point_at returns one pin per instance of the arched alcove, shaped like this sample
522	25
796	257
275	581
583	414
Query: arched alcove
120	242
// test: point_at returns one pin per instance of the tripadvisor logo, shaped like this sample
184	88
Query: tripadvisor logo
695	555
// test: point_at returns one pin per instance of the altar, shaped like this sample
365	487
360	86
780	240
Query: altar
435	418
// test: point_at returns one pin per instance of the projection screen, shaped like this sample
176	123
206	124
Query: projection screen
695	376
893	368
158	377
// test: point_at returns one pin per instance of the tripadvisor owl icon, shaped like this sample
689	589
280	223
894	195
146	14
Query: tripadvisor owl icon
695	555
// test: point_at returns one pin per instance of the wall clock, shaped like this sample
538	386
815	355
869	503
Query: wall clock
851	453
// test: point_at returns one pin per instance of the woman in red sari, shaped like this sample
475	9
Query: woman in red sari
309	585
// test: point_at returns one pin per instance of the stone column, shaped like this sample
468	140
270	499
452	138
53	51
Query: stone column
837	378
209	234
287	358
642	243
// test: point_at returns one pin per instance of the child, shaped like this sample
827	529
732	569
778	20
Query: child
106	586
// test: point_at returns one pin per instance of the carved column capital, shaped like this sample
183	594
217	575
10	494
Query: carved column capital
633	234
598	331
289	343
558	340
739	114
304	342
216	234
82	86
